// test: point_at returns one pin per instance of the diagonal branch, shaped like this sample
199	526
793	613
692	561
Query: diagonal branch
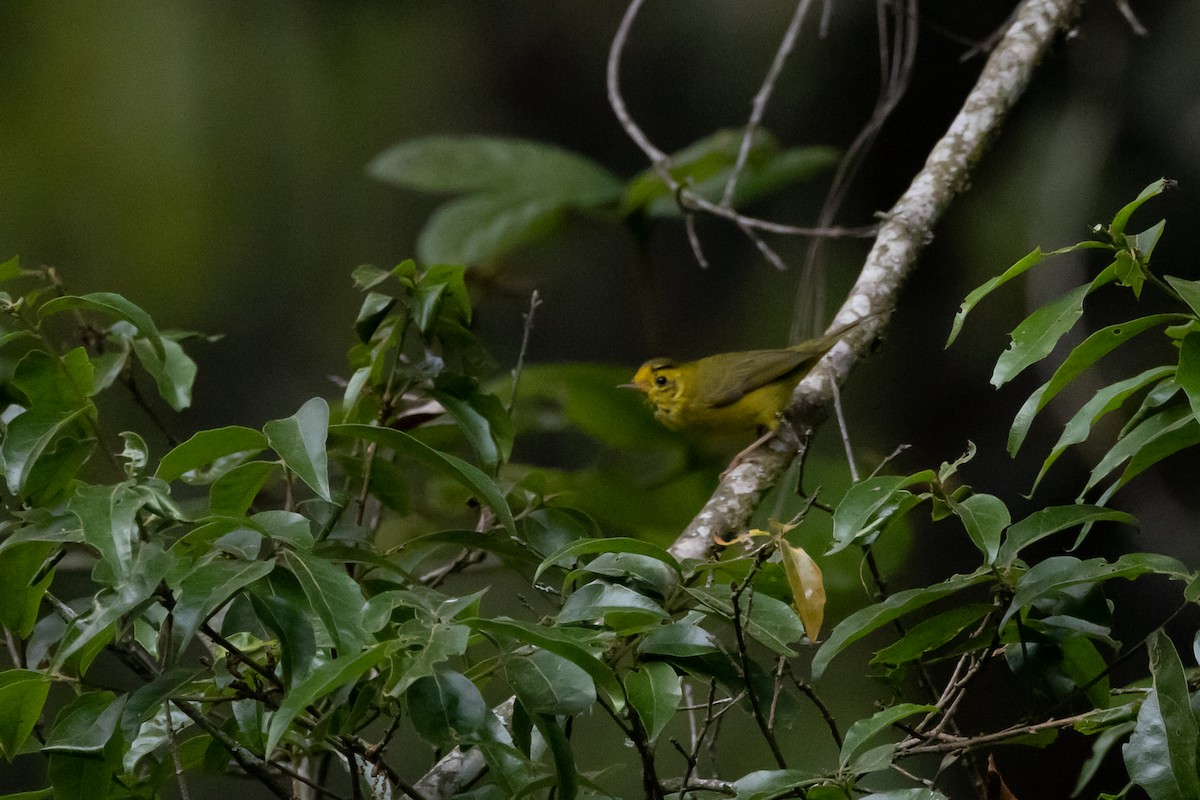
906	229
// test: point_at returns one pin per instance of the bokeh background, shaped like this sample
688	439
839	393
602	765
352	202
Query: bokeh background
207	160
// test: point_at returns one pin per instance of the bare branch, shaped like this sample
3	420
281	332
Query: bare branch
907	228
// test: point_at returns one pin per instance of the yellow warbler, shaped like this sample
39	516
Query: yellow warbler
730	392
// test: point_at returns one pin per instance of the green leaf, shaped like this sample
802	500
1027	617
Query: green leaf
771	622
654	693
1161	754
513	553
930	634
86	725
20	595
173	370
62	384
1061	572
1117	228
985	517
579	647
864	730
235	491
1188	291
483	421
208	446
871	504
320	682
334	597
1048	521
599	599
114	306
871	618
27	439
446	708
1093	348
294	628
478	163
10	269
1036	335
448	465
678	640
300	442
477	228
206	589
1163	424
615	544
560	750
22	694
1103	402
547	683
972	299
79	777
1188	374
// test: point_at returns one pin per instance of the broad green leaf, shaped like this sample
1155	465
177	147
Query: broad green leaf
136	453
985	517
208	446
483	421
37	794
1036	335
616	544
930	634
1104	401
446	708
20	595
1189	291
871	504
1121	219
479	227
864	730
235	491
1061	572
77	777
426	646
654	693
1163	424
147	700
108	516
27	439
1101	746
48	382
1084	665
1160	447
643	573
334	597
86	725
479	163
1048	521
319	683
550	684
22	694
871	618
206	589
114	306
579	647
294	629
601	600
10	269
770	622
173	370
1093	348
1161	754
1188	374
448	465
678	640
300	442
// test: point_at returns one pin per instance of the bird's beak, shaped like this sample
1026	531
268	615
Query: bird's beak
637	387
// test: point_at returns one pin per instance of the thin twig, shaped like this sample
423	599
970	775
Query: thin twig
535	300
763	98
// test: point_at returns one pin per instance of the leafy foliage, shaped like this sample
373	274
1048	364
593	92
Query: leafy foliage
287	595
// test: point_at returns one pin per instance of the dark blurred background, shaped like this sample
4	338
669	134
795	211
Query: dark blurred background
207	160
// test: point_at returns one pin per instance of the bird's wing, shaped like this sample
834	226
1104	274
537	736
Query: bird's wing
722	380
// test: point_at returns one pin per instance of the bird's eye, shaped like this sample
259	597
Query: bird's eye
660	380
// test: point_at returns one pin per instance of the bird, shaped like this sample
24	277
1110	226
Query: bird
730	392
